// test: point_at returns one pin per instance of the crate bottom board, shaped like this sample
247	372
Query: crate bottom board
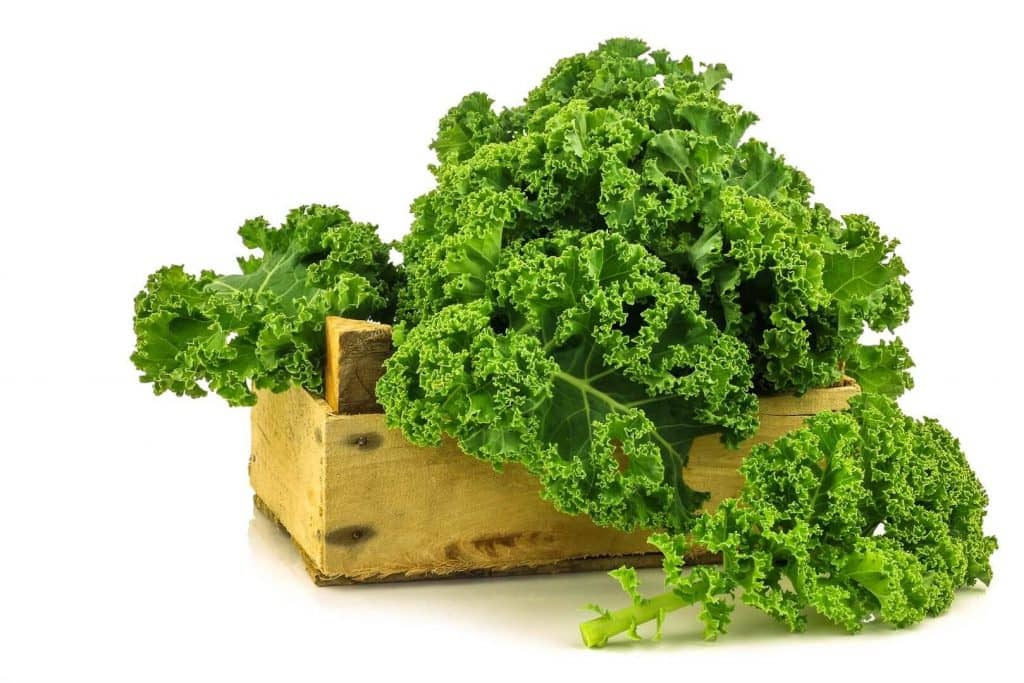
583	564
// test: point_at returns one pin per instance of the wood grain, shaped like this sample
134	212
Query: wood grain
287	464
397	509
356	351
563	566
364	505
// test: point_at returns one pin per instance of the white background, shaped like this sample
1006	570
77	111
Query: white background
133	136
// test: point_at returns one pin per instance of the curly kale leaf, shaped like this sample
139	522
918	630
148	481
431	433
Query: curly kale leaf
578	357
639	144
881	368
861	515
262	327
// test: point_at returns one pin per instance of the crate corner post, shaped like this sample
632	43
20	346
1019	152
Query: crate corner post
286	467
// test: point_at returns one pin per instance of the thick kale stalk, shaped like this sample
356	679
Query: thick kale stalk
861	515
263	327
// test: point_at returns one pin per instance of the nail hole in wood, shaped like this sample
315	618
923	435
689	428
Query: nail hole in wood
365	442
350	535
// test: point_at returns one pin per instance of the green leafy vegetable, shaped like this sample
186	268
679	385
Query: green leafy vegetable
643	146
860	515
602	274
881	368
580	358
609	270
263	327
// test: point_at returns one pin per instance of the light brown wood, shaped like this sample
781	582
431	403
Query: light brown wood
356	351
811	403
396	509
286	465
363	504
640	561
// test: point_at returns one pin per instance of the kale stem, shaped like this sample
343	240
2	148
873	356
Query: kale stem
596	632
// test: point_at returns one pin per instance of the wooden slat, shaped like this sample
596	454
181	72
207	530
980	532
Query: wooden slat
644	560
286	464
356	351
810	403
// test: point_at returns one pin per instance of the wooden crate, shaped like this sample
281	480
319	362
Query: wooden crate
362	504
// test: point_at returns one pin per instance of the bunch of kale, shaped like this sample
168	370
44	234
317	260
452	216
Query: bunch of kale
600	275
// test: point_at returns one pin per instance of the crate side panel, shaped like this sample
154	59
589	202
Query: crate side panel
286	466
395	509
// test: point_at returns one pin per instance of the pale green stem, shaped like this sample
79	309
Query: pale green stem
596	632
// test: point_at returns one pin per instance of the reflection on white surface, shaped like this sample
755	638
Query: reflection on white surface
272	548
545	609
